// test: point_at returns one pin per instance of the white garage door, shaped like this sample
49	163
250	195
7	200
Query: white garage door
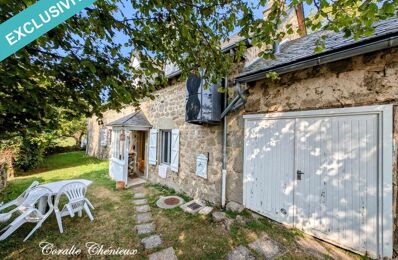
327	172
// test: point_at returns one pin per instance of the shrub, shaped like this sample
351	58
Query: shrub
30	154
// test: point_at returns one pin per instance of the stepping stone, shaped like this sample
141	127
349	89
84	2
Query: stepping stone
241	253
143	217
145	228
265	247
312	247
142	208
206	210
165	254
140	202
139	195
151	241
219	216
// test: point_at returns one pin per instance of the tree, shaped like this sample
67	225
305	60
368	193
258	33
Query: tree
74	128
80	65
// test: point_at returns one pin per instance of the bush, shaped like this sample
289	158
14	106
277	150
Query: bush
62	149
30	154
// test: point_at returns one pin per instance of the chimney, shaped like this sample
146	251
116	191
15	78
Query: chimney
294	17
301	20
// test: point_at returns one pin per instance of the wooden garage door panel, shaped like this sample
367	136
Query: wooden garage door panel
337	196
269	168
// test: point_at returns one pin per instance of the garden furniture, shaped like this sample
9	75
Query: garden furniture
77	202
4	217
28	213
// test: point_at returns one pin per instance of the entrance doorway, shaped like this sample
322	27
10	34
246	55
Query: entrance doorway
136	158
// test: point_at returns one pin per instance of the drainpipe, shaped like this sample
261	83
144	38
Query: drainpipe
224	147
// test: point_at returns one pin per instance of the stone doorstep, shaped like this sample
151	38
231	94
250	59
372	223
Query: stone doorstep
151	241
140	202
165	254
145	228
241	253
143	217
139	195
142	208
266	247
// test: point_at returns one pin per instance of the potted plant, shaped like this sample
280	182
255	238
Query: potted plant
120	185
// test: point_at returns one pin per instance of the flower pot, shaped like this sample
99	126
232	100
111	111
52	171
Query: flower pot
120	185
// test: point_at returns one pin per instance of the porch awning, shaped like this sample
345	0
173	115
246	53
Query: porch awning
136	120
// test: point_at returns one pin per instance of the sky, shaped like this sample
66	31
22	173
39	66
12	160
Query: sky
126	7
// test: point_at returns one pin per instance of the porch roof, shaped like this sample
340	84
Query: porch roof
133	120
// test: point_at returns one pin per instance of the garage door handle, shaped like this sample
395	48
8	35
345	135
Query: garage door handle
299	173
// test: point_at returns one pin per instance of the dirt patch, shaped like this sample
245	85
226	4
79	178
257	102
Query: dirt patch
104	193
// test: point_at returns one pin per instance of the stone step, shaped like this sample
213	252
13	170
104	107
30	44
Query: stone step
135	182
165	254
145	228
241	253
151	241
140	202
139	195
143	218
266	247
142	208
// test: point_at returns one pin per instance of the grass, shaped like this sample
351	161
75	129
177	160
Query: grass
66	142
113	222
191	236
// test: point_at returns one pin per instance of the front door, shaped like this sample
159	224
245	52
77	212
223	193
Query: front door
118	167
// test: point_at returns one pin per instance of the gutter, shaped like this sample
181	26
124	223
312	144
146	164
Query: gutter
224	147
237	102
363	47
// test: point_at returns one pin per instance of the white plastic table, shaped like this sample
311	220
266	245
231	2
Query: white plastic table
55	187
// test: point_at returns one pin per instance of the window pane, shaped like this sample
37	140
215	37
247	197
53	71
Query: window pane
166	147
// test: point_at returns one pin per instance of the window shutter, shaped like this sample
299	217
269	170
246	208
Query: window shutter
175	149
103	137
153	139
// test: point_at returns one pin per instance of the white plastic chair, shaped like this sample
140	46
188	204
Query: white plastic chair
28	212
18	201
75	192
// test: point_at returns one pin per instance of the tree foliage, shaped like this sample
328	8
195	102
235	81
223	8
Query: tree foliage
80	66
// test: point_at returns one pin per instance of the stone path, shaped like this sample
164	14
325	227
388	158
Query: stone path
264	246
147	228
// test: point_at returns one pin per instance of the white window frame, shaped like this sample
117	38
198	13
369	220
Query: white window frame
163	132
117	145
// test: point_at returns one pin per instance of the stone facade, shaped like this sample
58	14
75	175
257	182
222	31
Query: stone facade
167	111
363	80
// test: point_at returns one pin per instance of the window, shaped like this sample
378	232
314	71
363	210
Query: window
118	144
165	147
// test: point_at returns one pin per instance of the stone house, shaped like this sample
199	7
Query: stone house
314	149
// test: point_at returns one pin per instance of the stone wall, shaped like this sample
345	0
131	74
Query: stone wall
168	111
6	167
363	80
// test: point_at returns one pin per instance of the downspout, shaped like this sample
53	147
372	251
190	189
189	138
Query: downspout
224	147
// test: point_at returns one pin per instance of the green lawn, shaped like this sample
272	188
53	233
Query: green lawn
113	209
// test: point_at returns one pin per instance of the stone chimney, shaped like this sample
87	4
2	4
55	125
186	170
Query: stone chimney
294	16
